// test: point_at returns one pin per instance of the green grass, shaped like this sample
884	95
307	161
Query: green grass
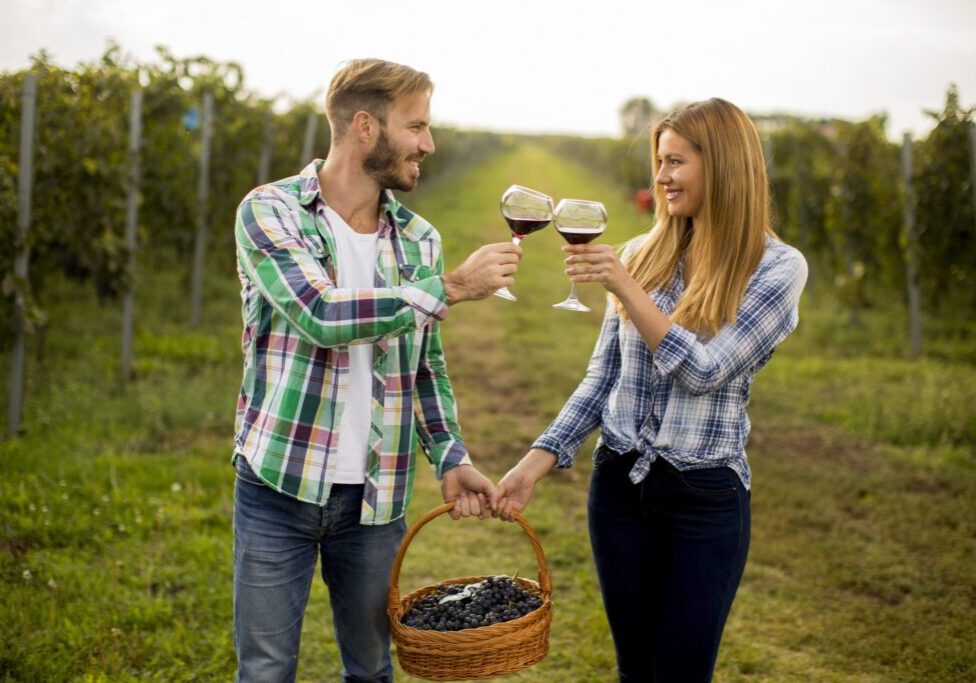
866	381
115	505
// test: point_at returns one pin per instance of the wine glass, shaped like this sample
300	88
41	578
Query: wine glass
525	211
579	221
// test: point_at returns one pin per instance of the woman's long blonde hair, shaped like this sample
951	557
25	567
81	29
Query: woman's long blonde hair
728	237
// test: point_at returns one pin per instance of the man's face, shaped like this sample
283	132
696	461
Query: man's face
403	143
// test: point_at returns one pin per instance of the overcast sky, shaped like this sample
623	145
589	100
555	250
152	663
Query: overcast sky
562	66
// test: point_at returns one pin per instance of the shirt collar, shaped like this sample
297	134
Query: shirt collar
309	187
408	224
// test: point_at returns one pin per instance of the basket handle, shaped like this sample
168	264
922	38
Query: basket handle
393	602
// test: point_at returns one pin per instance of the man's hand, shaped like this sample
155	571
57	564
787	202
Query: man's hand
471	492
491	267
515	489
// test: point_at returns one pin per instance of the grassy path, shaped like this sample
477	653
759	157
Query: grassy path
512	364
115	543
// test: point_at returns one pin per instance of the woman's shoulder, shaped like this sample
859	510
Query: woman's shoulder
779	252
633	244
781	261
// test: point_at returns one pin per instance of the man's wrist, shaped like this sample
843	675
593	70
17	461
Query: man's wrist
451	458
453	290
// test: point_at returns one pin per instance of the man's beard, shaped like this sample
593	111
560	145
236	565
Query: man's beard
382	164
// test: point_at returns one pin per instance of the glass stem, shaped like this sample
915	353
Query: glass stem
572	291
516	240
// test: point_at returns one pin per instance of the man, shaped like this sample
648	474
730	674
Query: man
344	371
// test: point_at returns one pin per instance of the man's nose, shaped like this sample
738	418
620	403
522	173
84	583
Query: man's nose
427	143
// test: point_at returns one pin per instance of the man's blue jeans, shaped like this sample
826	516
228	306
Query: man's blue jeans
277	541
669	554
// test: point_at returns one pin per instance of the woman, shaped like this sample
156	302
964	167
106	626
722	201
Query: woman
696	307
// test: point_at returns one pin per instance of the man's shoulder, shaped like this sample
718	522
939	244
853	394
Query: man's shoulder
287	190
276	207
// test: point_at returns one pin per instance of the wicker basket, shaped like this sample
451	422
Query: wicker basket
473	653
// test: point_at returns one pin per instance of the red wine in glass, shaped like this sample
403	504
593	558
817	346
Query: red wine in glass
579	221
521	227
579	235
525	211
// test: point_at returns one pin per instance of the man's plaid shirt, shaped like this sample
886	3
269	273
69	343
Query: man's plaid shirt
298	327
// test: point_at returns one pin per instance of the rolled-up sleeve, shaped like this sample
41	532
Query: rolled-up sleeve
769	312
581	414
435	406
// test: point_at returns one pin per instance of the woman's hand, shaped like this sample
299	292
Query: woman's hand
516	487
597	263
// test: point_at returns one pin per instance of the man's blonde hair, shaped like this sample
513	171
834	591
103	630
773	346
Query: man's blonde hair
729	235
370	85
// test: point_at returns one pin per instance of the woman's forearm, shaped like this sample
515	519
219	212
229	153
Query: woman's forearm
644	314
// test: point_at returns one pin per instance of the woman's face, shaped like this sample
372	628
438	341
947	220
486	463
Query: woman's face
681	173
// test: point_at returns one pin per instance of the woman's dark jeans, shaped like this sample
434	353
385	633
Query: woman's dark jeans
669	554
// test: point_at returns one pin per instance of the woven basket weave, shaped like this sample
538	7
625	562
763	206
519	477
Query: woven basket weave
473	653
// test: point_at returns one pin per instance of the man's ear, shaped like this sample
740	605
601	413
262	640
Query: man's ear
364	126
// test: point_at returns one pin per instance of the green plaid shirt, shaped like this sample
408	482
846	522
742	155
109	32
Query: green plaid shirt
298	326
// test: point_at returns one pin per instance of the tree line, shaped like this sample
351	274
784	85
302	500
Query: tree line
114	166
837	185
81	166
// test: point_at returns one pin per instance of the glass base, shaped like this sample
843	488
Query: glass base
571	305
505	294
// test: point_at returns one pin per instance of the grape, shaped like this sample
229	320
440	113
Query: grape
457	606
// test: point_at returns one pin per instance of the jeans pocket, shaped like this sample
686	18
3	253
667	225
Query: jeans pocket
712	481
601	456
245	473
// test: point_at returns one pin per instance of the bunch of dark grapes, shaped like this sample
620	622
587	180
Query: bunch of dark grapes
457	606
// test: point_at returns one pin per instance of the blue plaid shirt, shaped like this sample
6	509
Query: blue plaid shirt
686	402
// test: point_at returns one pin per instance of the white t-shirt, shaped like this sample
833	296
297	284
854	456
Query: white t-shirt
356	261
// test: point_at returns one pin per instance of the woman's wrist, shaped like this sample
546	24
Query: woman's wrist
631	293
537	462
